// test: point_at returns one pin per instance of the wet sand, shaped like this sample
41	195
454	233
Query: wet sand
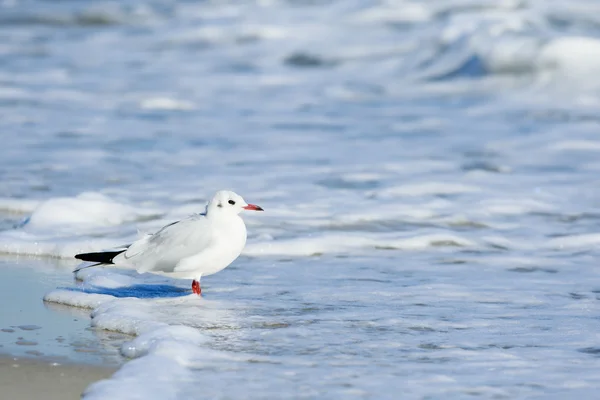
25	378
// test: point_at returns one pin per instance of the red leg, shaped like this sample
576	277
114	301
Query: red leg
196	287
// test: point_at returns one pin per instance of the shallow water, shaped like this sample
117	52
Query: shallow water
32	328
429	172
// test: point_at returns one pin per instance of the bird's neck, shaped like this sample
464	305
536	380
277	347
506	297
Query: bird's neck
218	215
228	226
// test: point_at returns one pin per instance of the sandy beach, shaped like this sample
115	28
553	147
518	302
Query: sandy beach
25	378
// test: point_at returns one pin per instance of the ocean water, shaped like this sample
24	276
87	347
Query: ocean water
429	171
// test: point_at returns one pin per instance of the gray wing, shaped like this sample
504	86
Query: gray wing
162	251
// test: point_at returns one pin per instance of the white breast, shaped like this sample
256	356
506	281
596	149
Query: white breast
228	238
229	241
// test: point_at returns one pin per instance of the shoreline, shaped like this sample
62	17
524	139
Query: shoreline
47	378
31	327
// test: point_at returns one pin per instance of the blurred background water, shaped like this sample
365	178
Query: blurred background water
429	171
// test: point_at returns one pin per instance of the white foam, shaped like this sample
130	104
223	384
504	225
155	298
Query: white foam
46	244
346	244
590	240
575	57
165	346
386	214
147	343
392	12
429	188
165	103
77	299
59	227
512	42
515	206
88	209
170	355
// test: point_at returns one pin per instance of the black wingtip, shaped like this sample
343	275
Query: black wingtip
86	266
104	257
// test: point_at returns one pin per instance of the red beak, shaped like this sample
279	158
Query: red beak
253	207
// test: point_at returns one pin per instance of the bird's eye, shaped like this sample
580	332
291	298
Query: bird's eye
231	202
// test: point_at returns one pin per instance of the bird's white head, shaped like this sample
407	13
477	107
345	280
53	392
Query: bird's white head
228	202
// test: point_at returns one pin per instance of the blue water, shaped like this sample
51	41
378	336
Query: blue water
429	172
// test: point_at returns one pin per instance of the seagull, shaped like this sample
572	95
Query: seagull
196	246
